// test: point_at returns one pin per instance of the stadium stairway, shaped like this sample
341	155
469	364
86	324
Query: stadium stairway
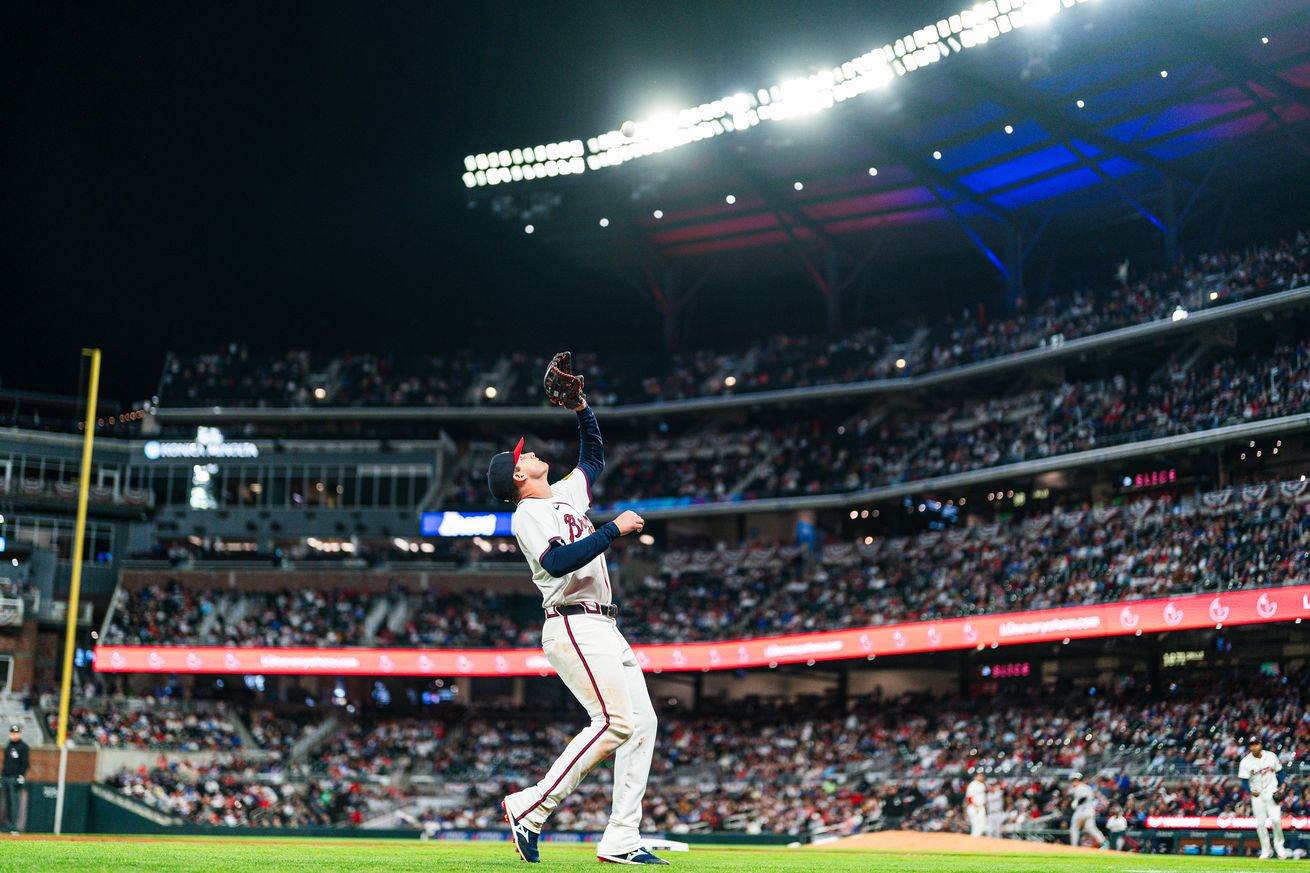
129	815
399	615
313	739
920	339
12	711
206	626
248	740
116	601
377	614
232	611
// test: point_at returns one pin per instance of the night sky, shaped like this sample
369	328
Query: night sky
287	174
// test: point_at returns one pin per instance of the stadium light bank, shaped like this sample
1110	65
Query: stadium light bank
793	98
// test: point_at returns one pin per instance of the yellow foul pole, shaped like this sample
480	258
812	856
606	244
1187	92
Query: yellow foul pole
75	588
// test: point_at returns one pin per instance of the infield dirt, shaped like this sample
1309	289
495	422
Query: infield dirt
912	841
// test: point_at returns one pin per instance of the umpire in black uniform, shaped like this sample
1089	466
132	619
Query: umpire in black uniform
18	756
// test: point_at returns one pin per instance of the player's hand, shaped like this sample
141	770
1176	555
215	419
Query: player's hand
20	780
1255	793
581	406
629	522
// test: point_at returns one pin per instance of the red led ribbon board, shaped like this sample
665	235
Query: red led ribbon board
1220	822
1254	606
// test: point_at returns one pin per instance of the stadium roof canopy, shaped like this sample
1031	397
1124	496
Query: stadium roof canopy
1113	108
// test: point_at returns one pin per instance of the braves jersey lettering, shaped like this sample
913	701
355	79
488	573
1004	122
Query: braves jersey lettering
578	527
1260	771
539	523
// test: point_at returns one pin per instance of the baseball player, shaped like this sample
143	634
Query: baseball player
975	805
1262	774
995	809
580	636
1084	813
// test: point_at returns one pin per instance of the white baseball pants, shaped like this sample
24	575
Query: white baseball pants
994	822
1084	820
977	822
1265	807
599	667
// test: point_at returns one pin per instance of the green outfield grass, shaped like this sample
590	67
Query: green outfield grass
203	855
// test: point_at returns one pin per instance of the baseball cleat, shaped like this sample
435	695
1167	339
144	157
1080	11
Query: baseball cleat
1281	853
525	840
1266	855
636	856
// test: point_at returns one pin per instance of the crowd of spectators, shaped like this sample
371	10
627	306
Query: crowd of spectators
322	618
235	793
1064	559
800	768
808	455
1257	535
147	724
906	762
468	619
381	748
172	614
279	732
160	613
236	375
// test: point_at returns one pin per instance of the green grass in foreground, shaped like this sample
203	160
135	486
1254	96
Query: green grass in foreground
179	854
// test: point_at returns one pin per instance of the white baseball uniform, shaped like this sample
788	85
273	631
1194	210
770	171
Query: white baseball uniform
975	807
1261	773
995	811
1117	825
1084	815
597	665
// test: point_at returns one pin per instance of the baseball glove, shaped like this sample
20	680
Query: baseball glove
563	386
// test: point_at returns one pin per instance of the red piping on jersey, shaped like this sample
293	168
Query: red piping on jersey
554	541
587	479
590	742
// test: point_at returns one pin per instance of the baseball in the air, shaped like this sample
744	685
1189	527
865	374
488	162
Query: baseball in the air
628	129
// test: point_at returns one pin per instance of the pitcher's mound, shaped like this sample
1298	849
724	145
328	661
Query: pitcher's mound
913	841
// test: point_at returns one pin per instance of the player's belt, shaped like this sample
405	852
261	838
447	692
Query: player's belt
585	608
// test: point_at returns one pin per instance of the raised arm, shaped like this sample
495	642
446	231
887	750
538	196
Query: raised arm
591	450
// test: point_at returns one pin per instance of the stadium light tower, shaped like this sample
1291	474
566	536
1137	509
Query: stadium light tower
792	98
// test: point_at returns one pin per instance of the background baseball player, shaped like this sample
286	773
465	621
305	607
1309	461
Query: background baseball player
580	636
995	809
1262	774
1083	798
975	805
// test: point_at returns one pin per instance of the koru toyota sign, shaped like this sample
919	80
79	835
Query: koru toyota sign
1253	606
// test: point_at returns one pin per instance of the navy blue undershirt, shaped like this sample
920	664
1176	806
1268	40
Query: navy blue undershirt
564	558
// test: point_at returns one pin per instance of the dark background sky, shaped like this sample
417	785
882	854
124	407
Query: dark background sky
287	174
